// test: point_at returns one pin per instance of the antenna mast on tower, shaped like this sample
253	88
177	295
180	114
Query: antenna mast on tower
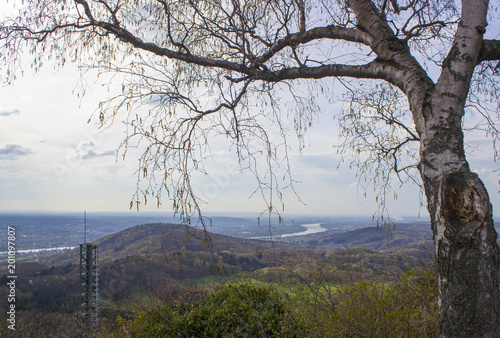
89	281
85	226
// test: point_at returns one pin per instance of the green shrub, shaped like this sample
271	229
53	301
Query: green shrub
315	307
232	310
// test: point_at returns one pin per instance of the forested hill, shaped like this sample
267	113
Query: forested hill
146	255
159	238
160	259
413	239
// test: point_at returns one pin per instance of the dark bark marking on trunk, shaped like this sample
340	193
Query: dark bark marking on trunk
464	202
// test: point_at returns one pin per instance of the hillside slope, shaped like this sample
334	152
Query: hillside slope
412	239
154	257
160	238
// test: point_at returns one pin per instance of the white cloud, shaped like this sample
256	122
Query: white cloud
86	150
7	111
11	151
93	154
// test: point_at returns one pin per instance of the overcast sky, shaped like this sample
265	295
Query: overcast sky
51	159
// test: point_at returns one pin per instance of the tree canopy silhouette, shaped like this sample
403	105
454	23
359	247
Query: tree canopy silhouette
218	67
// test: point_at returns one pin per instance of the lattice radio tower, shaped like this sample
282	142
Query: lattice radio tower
89	281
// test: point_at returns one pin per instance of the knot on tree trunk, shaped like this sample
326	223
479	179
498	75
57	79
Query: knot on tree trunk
464	202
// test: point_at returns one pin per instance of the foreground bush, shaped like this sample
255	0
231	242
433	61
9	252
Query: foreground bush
232	310
314	307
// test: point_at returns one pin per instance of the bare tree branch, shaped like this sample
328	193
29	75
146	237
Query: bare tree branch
490	51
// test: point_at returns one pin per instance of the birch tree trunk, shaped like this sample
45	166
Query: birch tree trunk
458	203
464	235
